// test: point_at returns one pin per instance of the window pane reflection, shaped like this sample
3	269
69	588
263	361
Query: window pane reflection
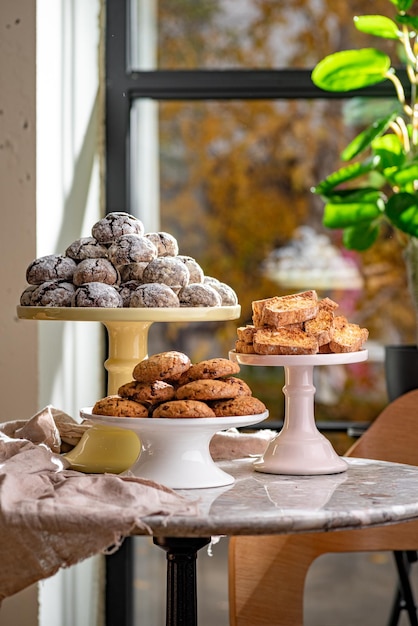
219	34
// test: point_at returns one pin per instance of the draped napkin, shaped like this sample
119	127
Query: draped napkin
53	517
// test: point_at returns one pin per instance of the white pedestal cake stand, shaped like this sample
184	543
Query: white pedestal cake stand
175	452
299	448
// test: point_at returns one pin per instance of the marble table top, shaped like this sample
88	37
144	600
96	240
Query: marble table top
368	493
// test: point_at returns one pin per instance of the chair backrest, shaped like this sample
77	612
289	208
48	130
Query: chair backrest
393	435
267	573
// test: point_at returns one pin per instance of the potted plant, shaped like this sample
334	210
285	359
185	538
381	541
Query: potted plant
378	182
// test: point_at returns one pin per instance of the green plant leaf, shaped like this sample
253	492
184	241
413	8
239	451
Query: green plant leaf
342	215
377	25
406	175
408	20
391	151
345	174
365	138
360	237
351	69
360	194
402	5
402	210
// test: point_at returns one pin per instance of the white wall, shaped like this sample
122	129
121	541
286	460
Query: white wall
50	140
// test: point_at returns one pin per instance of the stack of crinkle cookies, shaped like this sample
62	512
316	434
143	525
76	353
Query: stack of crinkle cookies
168	385
299	323
122	266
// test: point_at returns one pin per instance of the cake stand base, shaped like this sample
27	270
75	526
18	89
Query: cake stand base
313	455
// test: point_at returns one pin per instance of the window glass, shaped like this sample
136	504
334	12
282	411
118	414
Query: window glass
233	181
220	34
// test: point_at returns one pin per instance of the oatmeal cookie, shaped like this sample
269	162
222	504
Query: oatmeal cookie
50	267
115	406
154	295
116	224
53	293
95	271
131	248
213	389
86	248
183	409
167	270
196	272
210	368
97	295
198	294
151	393
242	405
165	243
167	366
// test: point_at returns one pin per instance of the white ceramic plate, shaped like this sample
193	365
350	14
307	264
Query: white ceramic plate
175	452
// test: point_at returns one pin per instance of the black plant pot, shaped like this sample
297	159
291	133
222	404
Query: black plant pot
401	370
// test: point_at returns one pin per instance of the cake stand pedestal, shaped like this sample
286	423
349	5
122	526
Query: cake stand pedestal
127	330
299	448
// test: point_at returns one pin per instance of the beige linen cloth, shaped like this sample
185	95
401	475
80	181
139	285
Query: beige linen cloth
52	517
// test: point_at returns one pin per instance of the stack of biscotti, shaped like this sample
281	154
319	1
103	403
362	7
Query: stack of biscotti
298	323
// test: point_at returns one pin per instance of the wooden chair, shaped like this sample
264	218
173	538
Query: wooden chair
267	573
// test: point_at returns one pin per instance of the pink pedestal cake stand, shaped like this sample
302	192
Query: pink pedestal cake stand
299	448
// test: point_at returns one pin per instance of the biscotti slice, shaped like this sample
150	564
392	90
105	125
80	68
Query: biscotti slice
246	333
291	309
244	348
347	337
284	341
322	326
258	309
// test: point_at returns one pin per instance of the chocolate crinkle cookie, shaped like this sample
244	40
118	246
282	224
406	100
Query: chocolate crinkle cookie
165	243
167	271
26	296
53	293
132	271
50	267
199	294
195	271
95	271
97	295
116	224
126	290
86	248
154	295
129	249
228	295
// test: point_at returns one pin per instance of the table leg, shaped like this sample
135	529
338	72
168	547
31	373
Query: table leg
181	607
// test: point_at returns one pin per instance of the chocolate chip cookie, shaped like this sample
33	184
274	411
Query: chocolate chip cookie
167	366
152	393
210	368
242	405
213	389
183	409
116	406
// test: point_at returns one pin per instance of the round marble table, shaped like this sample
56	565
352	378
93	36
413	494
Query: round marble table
368	493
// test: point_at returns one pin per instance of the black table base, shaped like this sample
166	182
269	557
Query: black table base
181	608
